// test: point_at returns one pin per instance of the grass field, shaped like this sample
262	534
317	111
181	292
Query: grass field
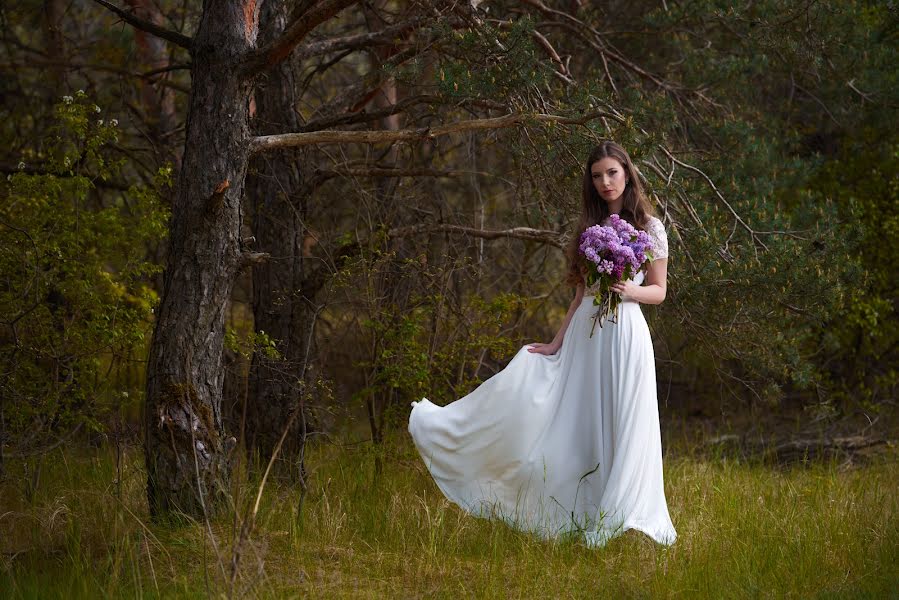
745	530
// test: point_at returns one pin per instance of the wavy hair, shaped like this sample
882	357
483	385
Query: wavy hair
635	208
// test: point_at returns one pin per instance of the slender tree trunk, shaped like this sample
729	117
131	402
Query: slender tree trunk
278	195
185	446
2	435
390	285
157	99
55	46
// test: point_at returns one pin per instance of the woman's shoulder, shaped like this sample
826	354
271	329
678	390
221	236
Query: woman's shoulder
656	230
653	222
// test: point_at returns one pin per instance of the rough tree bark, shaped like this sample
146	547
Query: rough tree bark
279	196
186	449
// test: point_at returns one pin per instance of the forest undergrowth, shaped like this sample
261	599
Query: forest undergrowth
78	526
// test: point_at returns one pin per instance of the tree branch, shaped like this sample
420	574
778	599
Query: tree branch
275	52
543	236
561	68
268	143
354	97
151	76
382	172
752	233
359	40
363	115
320	276
161	32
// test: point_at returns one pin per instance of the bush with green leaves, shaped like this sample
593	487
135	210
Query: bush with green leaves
860	342
76	294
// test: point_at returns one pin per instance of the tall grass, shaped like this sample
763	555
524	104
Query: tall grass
745	530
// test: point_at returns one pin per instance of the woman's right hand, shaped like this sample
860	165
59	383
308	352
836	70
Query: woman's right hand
545	349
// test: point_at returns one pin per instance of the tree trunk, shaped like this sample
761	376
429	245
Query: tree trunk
55	47
158	100
185	446
276	189
390	285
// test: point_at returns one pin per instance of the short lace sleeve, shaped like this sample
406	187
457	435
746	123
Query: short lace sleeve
659	238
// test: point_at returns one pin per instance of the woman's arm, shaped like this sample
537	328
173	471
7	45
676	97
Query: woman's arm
654	287
553	346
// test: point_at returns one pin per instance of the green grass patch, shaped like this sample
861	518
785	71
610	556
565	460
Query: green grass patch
81	529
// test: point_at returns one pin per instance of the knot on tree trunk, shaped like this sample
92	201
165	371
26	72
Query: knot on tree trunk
217	198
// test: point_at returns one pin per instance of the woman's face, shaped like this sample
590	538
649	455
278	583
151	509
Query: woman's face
609	178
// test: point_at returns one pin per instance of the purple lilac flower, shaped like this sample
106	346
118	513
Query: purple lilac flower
615	248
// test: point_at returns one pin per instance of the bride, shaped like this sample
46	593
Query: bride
565	439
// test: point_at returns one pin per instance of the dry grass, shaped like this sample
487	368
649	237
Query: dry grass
818	530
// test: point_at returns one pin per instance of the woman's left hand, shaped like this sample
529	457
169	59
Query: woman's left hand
626	289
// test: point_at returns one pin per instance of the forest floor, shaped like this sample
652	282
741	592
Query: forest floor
77	526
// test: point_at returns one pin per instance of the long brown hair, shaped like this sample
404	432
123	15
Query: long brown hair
635	208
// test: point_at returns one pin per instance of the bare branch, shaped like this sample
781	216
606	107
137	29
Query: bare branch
365	116
820	103
34	452
380	172
355	115
865	96
254	258
268	143
151	76
352	98
388	35
543	236
600	44
281	48
320	276
752	233
561	69
552	12
161	32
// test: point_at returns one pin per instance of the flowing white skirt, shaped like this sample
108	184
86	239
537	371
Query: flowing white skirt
559	444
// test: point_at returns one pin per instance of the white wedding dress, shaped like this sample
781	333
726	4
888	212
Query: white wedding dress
568	443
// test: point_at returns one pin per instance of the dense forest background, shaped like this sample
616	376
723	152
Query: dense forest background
234	233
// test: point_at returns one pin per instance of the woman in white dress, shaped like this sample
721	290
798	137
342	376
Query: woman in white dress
565	439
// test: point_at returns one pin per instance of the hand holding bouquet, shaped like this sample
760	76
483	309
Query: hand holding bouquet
614	252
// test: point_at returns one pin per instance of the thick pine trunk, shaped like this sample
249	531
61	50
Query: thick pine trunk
185	445
276	189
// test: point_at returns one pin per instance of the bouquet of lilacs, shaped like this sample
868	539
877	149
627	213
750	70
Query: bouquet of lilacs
615	251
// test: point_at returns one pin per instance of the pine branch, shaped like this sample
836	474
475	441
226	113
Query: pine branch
161	32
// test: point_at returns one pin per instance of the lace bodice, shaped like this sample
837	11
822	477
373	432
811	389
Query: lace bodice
656	231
